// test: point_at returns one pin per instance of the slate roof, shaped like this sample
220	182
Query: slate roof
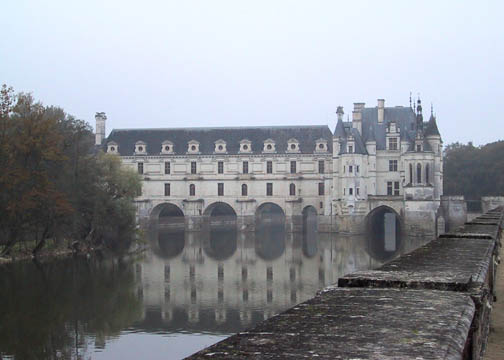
306	135
405	119
432	128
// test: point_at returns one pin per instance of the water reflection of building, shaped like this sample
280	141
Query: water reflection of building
226	280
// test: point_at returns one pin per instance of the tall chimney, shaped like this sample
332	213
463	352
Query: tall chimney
340	113
100	118
381	110
357	116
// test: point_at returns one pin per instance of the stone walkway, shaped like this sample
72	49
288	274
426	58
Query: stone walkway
495	349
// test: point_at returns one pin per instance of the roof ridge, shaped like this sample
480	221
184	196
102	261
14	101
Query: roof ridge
225	127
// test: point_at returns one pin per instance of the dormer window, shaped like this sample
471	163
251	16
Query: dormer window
321	145
245	146
193	147
269	146
392	128
167	147
220	147
418	147
292	146
392	143
112	147
140	148
350	148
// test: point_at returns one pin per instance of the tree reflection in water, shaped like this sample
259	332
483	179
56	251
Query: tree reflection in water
47	311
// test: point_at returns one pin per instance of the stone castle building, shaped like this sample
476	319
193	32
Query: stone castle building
386	160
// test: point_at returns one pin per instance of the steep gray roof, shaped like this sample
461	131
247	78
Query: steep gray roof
306	135
404	117
340	129
432	128
359	146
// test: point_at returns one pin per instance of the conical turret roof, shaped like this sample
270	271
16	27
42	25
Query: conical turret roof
432	128
340	129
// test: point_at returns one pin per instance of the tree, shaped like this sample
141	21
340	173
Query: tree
474	171
53	182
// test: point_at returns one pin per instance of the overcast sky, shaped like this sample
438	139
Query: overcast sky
229	63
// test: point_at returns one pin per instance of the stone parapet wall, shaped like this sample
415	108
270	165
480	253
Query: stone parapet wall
447	284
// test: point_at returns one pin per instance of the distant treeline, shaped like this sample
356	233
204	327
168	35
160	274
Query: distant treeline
474	171
54	184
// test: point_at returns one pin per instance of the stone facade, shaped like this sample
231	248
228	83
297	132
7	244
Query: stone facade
385	156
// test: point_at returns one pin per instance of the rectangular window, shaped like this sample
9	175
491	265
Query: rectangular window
350	169
389	187
357	192
245	167
396	188
344	191
356	168
393	143
167	167
392	165
220	189
350	191
321	189
193	167
350	149
344	169
269	167
166	189
220	167
293	167
192	190
140	167
419	148
321	166
269	189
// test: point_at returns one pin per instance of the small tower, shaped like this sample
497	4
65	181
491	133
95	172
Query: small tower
100	118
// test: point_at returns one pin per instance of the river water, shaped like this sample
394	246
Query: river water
189	290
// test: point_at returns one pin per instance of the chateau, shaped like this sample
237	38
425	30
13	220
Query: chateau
385	160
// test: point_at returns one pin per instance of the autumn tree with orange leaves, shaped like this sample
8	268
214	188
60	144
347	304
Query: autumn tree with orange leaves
51	179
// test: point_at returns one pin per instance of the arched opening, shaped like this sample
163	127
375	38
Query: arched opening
411	174
167	215
270	212
427	174
309	231
419	174
383	232
220	215
244	190
270	231
292	189
219	209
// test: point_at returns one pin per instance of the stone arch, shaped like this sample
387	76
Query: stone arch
166	210
220	208
384	232
267	209
270	231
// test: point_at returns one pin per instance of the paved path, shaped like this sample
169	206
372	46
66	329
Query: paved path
495	349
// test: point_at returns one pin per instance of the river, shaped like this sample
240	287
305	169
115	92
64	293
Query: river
187	291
